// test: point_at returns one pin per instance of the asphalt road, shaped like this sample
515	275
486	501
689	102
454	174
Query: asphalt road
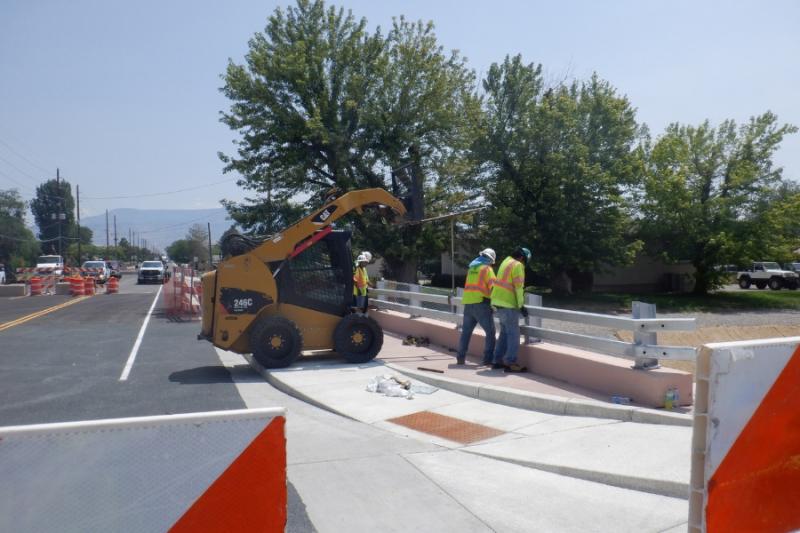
66	365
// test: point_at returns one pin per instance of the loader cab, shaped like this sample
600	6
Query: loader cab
320	277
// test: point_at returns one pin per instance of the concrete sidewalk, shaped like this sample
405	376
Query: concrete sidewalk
526	390
651	458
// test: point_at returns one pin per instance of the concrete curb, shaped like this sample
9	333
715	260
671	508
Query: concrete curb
546	403
662	487
291	391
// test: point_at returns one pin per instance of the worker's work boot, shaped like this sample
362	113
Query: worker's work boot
516	368
460	360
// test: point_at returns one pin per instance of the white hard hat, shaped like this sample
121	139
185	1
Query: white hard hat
362	259
488	252
367	256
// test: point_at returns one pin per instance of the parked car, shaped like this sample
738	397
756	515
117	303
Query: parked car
151	272
768	273
97	270
794	267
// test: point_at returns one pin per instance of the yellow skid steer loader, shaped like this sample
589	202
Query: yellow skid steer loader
293	291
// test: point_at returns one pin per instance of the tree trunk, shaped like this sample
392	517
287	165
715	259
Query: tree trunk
702	281
403	270
561	283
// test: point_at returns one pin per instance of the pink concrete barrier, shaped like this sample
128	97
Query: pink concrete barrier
605	374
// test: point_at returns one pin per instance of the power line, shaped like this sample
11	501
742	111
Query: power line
15	167
23	157
158	193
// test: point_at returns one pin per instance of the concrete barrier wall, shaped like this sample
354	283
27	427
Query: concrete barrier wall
217	471
15	289
746	439
608	375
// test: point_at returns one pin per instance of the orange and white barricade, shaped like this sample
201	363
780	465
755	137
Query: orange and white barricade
216	471
746	441
112	285
88	286
76	286
37	286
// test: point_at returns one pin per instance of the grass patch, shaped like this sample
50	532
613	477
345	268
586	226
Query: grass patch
677	303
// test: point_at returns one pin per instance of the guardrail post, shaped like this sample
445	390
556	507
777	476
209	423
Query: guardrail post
535	321
415	302
459	309
380	284
644	310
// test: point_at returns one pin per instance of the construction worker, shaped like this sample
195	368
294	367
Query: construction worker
508	297
477	308
360	283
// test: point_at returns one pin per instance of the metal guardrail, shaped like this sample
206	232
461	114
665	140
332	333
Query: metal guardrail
643	322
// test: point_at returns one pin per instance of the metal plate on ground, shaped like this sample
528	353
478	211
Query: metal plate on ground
446	427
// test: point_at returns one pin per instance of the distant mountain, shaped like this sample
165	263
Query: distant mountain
161	227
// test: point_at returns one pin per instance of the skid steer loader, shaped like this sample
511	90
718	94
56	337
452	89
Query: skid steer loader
293	291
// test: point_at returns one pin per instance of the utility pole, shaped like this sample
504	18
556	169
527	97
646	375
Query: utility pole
106	231
210	256
115	231
78	194
58	215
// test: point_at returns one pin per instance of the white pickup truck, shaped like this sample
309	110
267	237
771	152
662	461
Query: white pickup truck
768	274
52	262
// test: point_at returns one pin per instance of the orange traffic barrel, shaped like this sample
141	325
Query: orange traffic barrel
76	286
88	286
112	285
37	286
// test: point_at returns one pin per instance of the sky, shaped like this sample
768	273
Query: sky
123	97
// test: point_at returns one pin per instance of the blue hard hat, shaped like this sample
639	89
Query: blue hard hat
526	253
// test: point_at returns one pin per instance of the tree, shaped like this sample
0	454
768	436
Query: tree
18	246
53	210
558	164
194	245
709	191
322	103
180	251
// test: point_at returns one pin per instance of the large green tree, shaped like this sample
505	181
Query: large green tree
323	103
559	163
54	212
18	246
709	193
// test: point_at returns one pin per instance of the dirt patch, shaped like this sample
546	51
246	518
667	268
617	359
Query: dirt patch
703	336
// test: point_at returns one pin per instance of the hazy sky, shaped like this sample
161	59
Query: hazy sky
123	96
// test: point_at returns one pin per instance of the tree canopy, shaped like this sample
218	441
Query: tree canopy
18	245
54	212
323	103
558	163
709	194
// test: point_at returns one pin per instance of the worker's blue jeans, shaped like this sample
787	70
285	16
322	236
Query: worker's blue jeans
505	351
477	314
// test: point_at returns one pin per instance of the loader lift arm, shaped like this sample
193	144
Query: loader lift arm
280	246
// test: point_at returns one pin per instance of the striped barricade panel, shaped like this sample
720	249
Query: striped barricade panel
746	442
217	471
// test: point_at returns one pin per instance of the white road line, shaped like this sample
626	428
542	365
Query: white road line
132	357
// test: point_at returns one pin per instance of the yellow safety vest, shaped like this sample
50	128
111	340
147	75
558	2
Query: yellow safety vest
508	289
478	285
360	281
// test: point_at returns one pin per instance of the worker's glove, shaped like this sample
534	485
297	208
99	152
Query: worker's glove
524	311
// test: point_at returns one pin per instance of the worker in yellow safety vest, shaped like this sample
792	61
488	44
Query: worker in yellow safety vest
477	310
361	282
508	298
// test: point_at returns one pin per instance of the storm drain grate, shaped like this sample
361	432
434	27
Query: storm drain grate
447	427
